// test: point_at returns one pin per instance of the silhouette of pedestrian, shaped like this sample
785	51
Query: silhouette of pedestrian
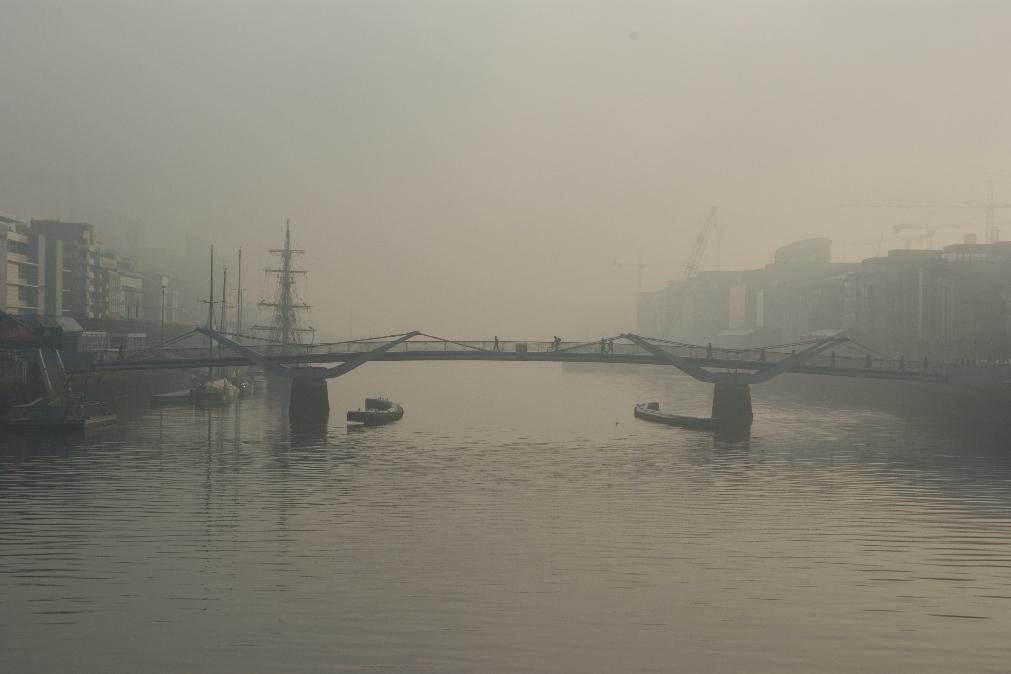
557	343
495	347
709	350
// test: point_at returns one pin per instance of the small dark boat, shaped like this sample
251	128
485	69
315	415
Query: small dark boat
651	412
378	404
75	415
377	411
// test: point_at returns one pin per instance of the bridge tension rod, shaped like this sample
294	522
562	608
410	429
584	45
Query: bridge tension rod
279	370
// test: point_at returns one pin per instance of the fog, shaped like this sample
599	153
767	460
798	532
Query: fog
475	168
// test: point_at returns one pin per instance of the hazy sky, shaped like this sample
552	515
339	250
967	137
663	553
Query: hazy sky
471	168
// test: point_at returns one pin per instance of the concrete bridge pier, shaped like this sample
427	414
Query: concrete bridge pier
309	402
732	392
732	403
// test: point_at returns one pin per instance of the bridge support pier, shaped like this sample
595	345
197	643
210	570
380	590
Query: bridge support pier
309	401
732	403
732	397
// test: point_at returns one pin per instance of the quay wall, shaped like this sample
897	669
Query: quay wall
129	389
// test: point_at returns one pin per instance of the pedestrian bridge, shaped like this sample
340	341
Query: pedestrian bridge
731	371
834	357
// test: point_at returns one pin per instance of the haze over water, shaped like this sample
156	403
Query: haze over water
517	519
499	156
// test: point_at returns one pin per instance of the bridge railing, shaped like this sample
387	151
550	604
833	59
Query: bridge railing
161	355
711	356
843	361
415	345
840	361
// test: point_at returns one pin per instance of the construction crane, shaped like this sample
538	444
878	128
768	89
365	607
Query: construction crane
915	234
699	247
989	207
910	235
925	235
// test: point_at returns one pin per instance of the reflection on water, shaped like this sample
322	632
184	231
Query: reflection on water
517	518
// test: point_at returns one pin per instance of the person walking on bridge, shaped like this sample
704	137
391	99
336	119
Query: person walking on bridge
557	343
495	346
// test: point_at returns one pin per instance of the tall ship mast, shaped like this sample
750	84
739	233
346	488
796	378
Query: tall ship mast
286	308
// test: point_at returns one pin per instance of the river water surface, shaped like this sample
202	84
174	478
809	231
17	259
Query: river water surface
518	519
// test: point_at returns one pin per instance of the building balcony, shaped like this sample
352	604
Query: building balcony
24	307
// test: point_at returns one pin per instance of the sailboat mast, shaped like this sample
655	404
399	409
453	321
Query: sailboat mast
287	319
285	327
224	295
210	296
238	299
210	317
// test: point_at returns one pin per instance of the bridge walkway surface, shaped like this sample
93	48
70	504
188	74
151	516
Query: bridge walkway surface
847	358
731	371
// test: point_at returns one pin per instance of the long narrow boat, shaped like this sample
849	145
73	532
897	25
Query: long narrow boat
378	411
651	412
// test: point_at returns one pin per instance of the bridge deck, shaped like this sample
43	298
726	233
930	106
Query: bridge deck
743	360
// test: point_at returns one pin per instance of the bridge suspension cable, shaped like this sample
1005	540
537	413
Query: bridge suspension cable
594	343
450	341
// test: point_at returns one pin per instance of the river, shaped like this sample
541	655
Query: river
518	519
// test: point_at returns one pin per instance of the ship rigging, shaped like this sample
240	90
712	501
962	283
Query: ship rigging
286	308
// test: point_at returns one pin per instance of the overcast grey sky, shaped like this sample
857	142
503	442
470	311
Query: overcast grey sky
473	167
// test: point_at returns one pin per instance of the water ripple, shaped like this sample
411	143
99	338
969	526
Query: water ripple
528	525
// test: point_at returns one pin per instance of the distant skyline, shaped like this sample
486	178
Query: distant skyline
476	168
